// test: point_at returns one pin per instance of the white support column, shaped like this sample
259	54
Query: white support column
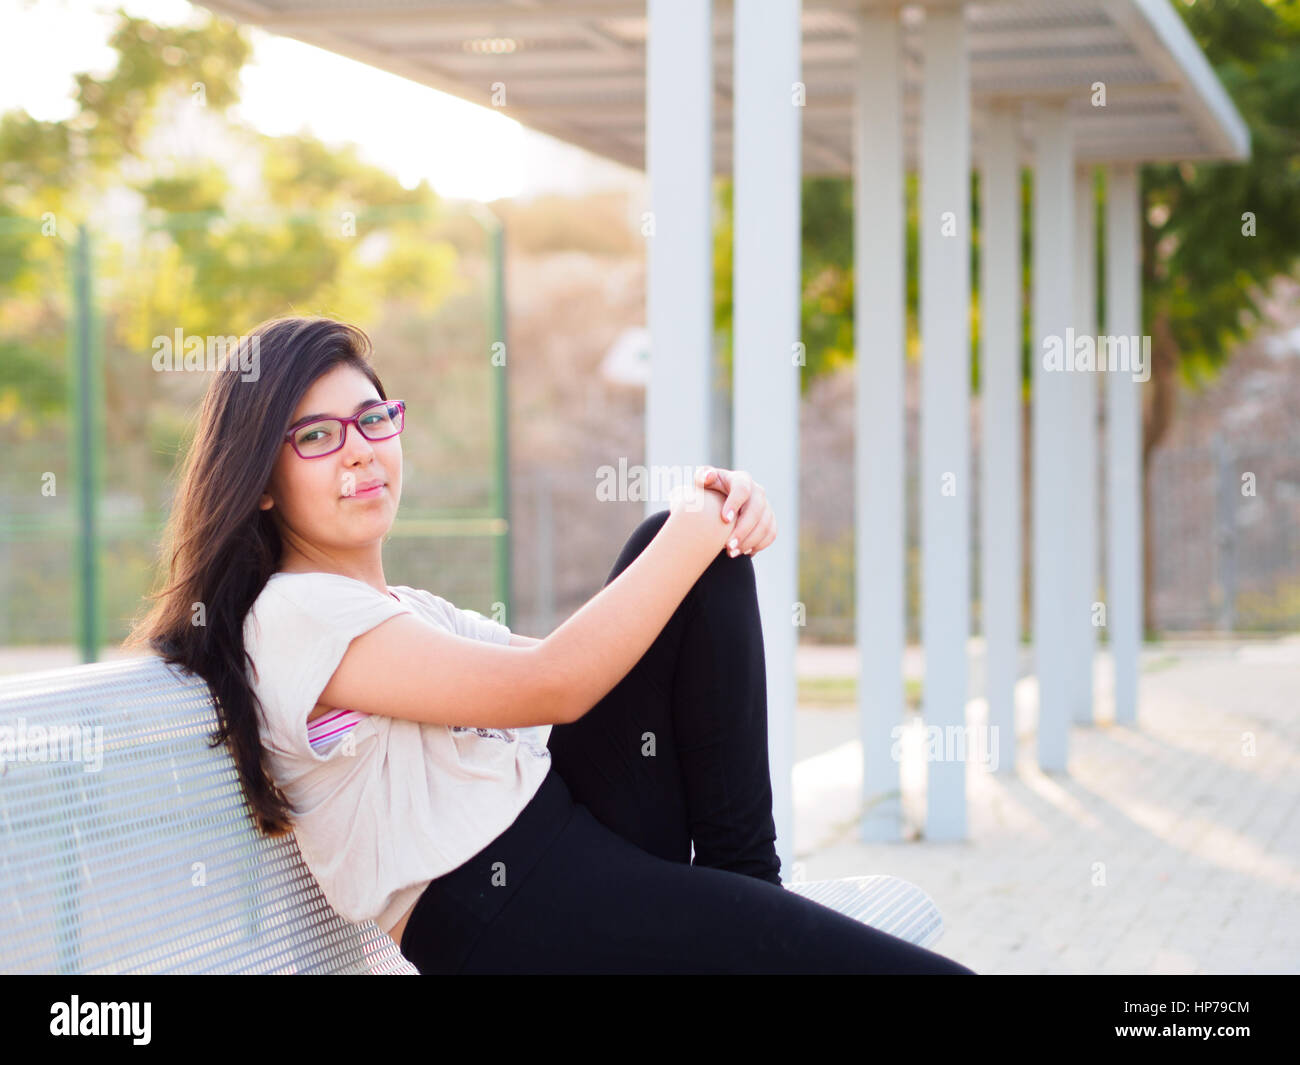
945	397
1124	443
679	288
879	264
1053	308
1083	448
767	367
1000	333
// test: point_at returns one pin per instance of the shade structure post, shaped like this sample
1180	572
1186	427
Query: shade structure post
679	241
768	349
1124	439
945	398
1053	308
879	264
1000	455
1082	496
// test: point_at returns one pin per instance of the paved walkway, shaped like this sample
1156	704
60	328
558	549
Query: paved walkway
1172	847
22	659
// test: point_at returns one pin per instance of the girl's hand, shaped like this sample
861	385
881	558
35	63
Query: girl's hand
697	513
755	526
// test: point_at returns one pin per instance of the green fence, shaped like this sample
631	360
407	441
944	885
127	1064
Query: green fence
93	433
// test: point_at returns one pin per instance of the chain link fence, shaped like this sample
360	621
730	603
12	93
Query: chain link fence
93	432
1225	522
1225	519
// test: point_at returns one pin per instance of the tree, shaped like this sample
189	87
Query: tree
1215	235
336	236
202	262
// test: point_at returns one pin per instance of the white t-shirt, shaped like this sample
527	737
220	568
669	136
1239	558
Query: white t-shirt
395	803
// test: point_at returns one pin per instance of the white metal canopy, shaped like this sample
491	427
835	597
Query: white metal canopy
576	69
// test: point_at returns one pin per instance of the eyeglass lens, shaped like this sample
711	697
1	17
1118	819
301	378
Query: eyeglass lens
320	438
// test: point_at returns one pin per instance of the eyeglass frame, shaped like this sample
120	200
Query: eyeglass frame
343	435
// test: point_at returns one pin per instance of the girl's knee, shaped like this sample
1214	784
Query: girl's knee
652	524
638	542
646	531
735	574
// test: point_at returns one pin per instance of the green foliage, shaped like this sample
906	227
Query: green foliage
116	113
1208	276
200	261
826	585
334	235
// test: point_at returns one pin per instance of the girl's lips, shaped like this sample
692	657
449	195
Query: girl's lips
368	493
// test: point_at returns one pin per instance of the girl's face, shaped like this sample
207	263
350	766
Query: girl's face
323	520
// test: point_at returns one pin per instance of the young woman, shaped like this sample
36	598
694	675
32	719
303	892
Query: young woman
379	722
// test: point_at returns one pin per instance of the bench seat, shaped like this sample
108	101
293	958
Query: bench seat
135	852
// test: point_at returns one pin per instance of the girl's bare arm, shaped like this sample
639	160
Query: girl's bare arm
408	668
598	645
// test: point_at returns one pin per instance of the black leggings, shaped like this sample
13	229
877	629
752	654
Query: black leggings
595	874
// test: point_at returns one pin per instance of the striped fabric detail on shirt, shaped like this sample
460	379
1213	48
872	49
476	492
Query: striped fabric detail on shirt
327	729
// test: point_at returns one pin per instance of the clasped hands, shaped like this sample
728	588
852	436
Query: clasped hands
755	526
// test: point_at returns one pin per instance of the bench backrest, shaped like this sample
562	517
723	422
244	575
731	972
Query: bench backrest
126	843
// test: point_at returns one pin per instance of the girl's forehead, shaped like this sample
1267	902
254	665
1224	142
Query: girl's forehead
338	382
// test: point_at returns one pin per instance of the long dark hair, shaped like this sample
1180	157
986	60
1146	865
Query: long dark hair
223	548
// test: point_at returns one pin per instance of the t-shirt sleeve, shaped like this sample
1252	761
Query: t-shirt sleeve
470	623
296	637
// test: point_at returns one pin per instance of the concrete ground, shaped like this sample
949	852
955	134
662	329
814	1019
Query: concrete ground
1169	847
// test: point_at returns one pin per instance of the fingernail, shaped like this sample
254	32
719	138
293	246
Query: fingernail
733	542
730	514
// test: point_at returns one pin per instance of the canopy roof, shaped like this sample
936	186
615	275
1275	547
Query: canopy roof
576	68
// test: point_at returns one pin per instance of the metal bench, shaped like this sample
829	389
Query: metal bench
128	847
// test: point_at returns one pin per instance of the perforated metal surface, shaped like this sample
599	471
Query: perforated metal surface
126	844
149	862
885	902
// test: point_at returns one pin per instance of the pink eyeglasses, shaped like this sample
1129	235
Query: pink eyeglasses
324	436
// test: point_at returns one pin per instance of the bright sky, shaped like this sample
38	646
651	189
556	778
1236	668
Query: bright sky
464	151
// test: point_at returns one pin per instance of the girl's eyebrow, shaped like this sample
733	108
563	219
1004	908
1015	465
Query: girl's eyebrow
355	410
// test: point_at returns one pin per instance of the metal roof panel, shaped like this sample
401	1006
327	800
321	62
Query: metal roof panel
575	69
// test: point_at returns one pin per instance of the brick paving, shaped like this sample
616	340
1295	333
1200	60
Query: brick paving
1171	847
